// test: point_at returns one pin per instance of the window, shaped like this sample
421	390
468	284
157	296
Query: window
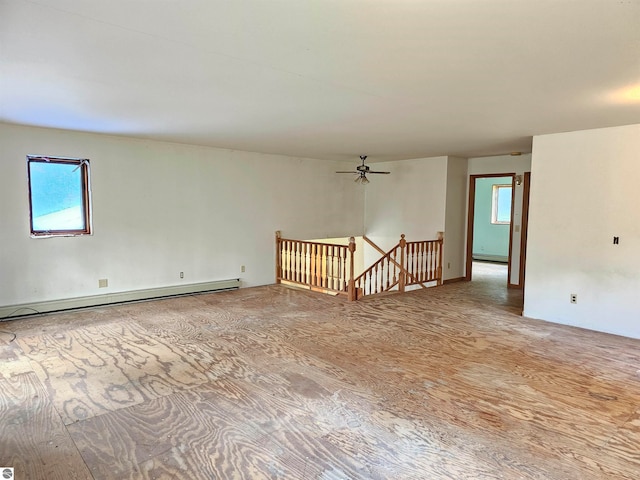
59	196
501	205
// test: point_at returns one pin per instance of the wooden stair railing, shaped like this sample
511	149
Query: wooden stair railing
384	275
405	264
318	266
330	267
424	262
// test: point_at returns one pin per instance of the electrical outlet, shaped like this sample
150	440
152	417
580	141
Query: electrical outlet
574	298
448	265
242	268
181	274
103	283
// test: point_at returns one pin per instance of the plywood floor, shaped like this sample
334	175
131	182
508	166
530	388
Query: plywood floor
276	383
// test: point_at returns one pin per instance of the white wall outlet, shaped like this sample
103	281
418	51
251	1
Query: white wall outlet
103	283
242	268
574	298
181	274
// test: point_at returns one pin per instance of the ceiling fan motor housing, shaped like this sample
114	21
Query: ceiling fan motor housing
362	168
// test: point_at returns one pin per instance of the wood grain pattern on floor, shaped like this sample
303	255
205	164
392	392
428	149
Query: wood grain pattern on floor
278	383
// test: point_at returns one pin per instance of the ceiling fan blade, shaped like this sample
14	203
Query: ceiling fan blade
385	173
348	172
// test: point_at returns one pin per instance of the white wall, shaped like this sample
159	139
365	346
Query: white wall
584	191
161	208
455	219
411	201
507	164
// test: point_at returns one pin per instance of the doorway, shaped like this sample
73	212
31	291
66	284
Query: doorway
518	223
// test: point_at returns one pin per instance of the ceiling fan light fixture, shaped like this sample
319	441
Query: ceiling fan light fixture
361	172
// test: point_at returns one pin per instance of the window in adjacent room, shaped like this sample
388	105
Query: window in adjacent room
59	196
501	205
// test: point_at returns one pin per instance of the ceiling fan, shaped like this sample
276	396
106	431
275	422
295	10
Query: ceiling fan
362	170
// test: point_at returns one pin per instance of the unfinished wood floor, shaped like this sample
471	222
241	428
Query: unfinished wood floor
275	383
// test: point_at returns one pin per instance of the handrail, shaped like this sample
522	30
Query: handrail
330	267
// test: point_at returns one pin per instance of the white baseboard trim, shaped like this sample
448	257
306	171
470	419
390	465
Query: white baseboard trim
21	310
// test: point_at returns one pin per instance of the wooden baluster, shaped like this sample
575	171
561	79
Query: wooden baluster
330	268
285	267
344	279
434	260
416	261
337	268
286	260
319	252
388	272
312	263
323	265
299	271
294	263
303	262
290	269
292	256
425	262
320	271
410	259
294	246
332	277
419	257
395	267
389	265
294	251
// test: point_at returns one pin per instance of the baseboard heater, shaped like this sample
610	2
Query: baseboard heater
491	258
33	308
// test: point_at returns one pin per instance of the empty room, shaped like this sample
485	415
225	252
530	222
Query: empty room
325	240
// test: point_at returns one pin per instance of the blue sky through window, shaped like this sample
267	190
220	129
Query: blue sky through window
57	199
503	207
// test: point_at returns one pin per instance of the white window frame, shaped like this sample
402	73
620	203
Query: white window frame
494	204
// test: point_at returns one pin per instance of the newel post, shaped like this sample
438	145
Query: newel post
441	244
351	289
278	256
402	280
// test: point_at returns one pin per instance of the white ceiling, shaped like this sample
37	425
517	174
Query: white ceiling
393	79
